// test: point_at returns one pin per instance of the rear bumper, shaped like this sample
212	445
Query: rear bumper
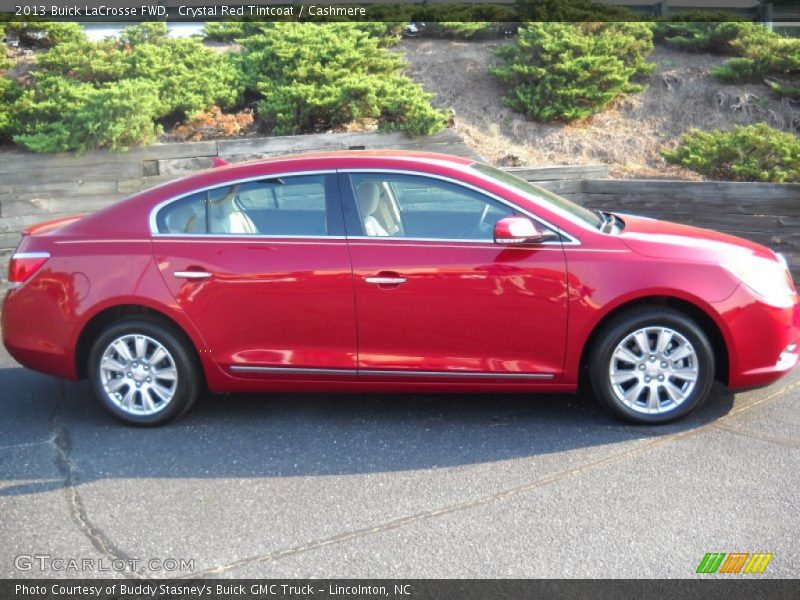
763	340
36	335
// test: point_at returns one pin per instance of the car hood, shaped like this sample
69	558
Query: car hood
663	239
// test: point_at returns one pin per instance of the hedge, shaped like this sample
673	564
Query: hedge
122	92
748	153
568	71
310	77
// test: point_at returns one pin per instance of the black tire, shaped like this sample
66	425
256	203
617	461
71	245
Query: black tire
190	379
617	330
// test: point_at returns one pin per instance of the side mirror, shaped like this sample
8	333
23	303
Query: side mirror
519	230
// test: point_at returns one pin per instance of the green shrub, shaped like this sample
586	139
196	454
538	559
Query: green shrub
752	153
701	32
300	77
45	102
228	31
386	31
188	76
72	80
90	62
44	34
152	32
9	91
312	77
466	21
761	52
5	61
742	70
570	11
115	115
568	71
460	30
758	52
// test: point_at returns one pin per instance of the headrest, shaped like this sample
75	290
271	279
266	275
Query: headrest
184	220
368	197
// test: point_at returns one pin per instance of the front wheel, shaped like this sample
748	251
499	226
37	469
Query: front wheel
143	372
651	365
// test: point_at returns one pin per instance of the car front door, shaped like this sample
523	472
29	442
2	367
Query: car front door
262	269
436	297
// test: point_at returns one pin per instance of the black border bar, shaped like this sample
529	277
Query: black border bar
396	589
778	11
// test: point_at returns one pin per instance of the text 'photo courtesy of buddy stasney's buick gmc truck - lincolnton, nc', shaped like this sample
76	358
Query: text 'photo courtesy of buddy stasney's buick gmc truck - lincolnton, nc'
392	272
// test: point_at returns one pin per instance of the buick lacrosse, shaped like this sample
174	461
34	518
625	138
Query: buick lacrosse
392	272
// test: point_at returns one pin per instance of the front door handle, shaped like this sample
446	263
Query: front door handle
192	274
385	279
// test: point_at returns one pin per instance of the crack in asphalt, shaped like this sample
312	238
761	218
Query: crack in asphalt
489	499
75	506
763	437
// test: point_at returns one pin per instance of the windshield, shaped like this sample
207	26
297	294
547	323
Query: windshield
558	203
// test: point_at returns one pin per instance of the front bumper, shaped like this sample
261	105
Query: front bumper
763	340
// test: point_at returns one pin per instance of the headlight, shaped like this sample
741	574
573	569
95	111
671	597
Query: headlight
768	278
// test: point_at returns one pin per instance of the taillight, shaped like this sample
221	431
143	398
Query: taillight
23	265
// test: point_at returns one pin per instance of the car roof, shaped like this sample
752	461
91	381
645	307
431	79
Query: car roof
342	159
354	155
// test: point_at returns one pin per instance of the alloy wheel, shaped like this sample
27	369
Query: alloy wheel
138	374
653	370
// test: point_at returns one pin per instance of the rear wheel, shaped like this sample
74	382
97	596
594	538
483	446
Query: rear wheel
143	372
651	365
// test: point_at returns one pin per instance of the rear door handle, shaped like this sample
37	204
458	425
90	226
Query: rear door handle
192	274
385	279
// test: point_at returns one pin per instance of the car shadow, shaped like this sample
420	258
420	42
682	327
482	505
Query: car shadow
307	435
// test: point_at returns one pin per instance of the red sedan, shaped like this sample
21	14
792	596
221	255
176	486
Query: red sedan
392	272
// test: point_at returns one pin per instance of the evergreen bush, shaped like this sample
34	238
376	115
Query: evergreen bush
114	115
166	78
9	90
44	34
310	77
759	53
749	153
568	71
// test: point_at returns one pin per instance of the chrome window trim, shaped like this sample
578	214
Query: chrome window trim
397	241
388	372
570	239
164	203
250	236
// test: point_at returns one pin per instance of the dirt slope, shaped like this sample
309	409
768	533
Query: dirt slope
627	136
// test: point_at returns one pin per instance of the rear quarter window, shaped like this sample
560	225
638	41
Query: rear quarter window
187	215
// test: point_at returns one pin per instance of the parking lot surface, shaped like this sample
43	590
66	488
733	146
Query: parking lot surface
298	485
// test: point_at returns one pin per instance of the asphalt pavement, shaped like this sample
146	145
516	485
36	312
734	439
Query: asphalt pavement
368	485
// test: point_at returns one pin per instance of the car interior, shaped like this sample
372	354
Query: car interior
400	206
255	208
409	206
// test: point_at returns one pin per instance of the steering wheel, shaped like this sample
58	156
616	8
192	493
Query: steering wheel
480	229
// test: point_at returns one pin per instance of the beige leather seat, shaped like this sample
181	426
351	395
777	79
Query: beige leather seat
186	220
226	216
368	197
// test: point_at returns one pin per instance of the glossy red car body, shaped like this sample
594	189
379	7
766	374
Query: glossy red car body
295	313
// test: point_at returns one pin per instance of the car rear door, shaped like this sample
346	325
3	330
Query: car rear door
262	269
436	297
